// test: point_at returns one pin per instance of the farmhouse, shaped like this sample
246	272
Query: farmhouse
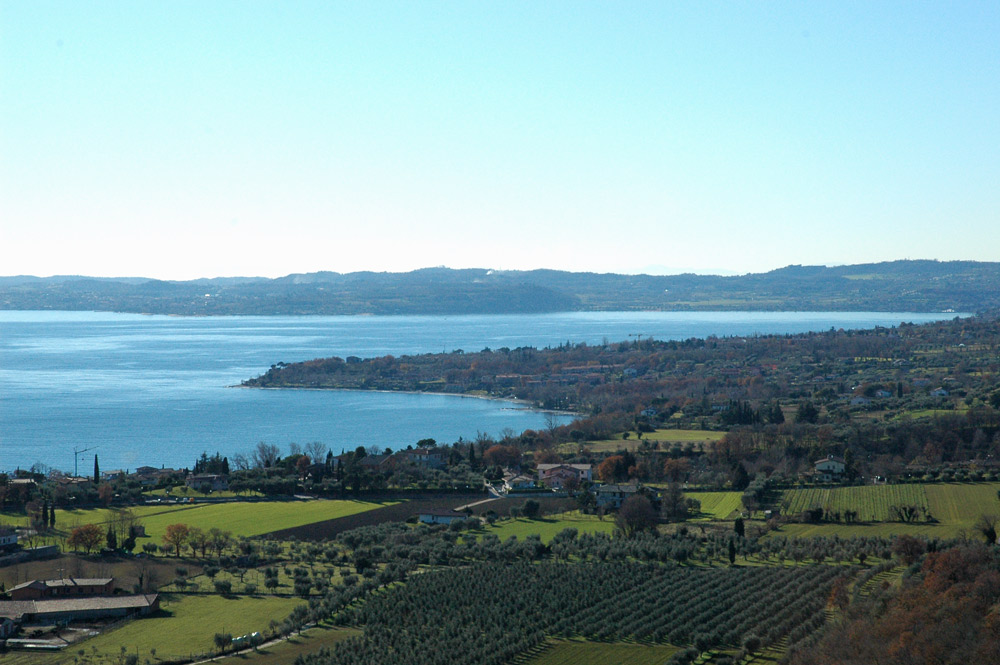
830	469
75	609
440	516
79	586
428	457
519	482
613	496
8	538
556	475
212	481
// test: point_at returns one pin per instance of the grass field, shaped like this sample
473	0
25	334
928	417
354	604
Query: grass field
961	504
583	652
547	527
717	505
185	626
699	437
955	506
241	518
871	501
285	652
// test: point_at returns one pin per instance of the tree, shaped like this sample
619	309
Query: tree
732	553
222	641
908	548
531	508
97	470
52	515
807	413
673	506
739	527
503	456
105	493
265	455
220	539
112	539
198	540
613	469
636	514
175	536
87	536
302	465
987	526
739	478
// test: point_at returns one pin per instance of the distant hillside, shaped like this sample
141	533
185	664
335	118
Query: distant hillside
920	286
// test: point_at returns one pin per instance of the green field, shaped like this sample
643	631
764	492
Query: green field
241	518
583	652
282	653
185	626
548	527
871	501
717	505
699	437
961	504
954	506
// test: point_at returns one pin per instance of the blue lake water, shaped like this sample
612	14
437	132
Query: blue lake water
155	389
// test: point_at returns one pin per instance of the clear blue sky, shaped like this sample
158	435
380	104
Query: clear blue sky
188	139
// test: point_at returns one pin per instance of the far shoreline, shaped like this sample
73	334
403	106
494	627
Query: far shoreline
527	406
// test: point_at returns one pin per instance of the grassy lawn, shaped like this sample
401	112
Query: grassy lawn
185	626
717	505
309	641
583	652
667	437
547	527
242	519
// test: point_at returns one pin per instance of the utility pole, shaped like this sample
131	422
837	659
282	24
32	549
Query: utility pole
76	458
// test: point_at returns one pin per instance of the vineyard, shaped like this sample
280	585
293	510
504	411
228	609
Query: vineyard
872	503
491	613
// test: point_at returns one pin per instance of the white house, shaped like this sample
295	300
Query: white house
440	516
830	469
8	538
519	482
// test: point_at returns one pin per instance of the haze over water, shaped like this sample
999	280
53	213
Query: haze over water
153	390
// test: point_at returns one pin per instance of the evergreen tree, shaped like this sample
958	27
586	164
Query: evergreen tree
739	477
739	527
472	456
732	553
52	515
112	539
97	470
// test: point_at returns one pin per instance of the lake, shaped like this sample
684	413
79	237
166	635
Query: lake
154	390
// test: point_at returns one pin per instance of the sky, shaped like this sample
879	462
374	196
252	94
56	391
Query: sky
179	139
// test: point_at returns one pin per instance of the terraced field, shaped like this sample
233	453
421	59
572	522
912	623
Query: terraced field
872	502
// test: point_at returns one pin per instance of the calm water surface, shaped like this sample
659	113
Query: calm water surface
154	389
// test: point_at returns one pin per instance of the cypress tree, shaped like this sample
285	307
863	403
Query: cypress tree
97	470
52	515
